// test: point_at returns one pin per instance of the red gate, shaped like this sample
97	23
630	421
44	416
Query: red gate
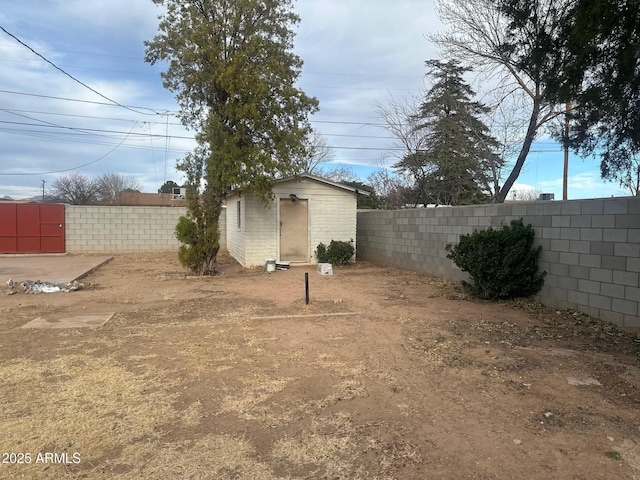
31	228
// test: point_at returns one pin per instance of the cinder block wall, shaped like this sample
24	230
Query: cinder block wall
590	248
94	229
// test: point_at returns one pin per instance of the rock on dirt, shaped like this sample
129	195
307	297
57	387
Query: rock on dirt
37	286
583	381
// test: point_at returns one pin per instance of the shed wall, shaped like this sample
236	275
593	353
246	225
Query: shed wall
236	232
332	216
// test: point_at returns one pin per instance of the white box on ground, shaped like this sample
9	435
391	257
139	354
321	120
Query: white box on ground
325	269
270	265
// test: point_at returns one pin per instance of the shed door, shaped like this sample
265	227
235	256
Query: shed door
294	239
31	228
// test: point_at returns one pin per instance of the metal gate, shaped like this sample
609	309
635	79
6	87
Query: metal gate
32	228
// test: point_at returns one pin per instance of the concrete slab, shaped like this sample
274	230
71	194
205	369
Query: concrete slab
48	268
62	321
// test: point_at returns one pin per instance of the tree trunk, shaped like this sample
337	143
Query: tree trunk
524	152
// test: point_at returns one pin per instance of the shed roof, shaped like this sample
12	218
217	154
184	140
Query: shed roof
325	181
316	179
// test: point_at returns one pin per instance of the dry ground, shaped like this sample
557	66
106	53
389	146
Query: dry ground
190	380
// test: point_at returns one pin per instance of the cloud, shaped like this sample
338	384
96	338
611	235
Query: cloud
52	134
355	53
115	21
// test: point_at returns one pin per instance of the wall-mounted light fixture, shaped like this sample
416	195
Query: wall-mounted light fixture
294	198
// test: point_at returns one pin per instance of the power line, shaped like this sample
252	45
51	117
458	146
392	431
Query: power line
46	123
78	67
356	87
68	74
164	123
304	72
101	130
166	149
302	86
76	167
81	139
76	115
182	137
153	157
333	122
53	97
381	75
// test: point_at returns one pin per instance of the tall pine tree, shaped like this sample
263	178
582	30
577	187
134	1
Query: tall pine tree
454	168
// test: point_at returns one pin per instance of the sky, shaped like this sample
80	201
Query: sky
356	55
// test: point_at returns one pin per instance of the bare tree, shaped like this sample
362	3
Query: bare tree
399	119
508	125
76	189
482	36
110	185
390	186
317	153
339	174
630	179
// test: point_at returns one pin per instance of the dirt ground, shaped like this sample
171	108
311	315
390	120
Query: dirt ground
386	374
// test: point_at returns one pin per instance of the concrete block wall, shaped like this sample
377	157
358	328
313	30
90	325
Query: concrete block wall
590	248
97	229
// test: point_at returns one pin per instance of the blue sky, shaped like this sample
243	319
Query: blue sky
356	55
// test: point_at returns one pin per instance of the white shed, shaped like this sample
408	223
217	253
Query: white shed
305	211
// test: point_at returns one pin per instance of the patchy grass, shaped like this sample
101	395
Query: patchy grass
208	378
210	456
250	401
79	403
613	455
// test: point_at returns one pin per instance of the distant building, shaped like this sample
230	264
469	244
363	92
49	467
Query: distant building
138	199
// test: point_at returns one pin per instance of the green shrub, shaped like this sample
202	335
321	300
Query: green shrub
337	253
200	246
501	263
321	253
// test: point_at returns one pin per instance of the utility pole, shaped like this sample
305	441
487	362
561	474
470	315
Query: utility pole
43	182
566	152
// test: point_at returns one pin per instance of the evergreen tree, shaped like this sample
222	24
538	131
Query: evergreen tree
232	66
168	186
454	168
371	201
